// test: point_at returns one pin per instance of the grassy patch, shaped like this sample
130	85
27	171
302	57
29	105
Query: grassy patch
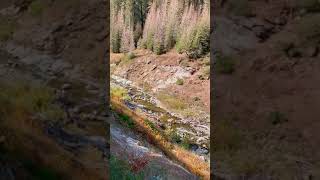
171	101
179	81
126	120
119	92
206	71
6	29
36	8
224	65
121	170
21	100
151	125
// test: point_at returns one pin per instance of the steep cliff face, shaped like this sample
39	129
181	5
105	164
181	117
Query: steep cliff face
265	92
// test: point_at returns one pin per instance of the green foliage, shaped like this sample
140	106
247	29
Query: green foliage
174	137
115	41
36	8
224	65
179	81
23	98
126	120
151	125
120	170
119	92
200	42
149	43
195	39
158	48
130	55
186	143
277	117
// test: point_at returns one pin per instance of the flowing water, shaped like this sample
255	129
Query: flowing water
192	136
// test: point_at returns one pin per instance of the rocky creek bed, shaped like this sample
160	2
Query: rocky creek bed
195	132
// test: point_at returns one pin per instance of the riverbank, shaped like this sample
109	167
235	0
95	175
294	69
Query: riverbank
189	160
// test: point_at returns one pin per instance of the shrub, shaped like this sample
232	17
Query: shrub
151	125
277	118
119	92
131	55
174	137
6	29
186	143
179	81
224	65
126	120
36	8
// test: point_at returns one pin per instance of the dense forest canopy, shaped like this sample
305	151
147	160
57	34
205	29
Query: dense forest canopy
160	25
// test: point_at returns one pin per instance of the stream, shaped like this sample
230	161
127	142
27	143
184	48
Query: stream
197	134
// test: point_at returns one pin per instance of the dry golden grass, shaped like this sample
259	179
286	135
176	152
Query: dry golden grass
115	58
189	160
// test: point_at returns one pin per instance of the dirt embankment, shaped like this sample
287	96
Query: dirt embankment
269	99
170	73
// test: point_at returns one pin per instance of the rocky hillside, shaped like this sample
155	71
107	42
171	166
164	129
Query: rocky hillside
53	116
266	65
